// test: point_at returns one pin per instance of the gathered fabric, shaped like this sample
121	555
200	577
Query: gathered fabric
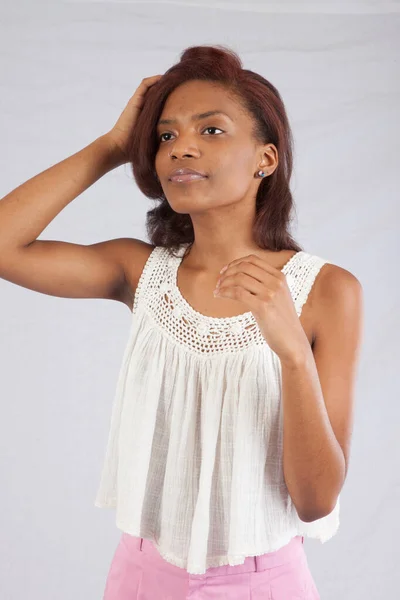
194	454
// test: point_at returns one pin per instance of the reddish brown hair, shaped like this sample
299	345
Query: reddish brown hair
263	102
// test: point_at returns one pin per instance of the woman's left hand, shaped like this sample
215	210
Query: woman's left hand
264	290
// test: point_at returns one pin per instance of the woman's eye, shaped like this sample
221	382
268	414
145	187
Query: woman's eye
166	133
213	128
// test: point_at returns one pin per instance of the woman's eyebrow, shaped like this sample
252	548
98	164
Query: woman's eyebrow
195	117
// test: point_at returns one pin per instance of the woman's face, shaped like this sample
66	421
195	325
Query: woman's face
219	145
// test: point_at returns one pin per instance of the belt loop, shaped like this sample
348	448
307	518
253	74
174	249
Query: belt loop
256	565
141	544
302	539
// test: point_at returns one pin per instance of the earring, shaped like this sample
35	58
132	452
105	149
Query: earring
261	174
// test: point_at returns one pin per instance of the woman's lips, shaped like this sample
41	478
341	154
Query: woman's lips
186	178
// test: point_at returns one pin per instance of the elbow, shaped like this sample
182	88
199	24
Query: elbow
310	517
313	514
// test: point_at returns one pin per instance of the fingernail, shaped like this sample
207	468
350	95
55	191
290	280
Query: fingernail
223	269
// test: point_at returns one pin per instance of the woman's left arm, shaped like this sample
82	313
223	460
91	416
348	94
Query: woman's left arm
318	396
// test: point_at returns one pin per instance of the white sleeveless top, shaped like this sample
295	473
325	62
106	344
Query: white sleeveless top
194	454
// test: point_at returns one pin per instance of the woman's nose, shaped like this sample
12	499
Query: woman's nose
183	149
177	154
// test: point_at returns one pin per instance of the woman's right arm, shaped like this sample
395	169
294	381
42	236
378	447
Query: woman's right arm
62	268
54	267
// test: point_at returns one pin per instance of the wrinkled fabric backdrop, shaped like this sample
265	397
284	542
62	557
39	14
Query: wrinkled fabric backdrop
67	71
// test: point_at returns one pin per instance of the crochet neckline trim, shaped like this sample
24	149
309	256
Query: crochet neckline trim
247	316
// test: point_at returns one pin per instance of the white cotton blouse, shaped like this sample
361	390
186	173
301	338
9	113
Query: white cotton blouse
194	455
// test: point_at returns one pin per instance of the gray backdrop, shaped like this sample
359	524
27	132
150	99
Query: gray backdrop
67	71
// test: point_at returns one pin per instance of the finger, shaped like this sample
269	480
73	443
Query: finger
244	266
145	85
234	262
257	261
150	80
242	280
243	286
140	94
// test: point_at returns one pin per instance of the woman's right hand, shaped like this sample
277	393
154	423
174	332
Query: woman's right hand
119	135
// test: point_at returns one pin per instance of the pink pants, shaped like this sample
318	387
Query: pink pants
138	572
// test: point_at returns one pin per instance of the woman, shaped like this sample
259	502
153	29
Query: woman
231	426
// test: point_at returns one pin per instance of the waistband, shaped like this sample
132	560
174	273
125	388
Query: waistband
291	551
